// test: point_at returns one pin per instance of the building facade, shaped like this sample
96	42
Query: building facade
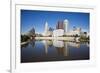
60	25
66	24
58	32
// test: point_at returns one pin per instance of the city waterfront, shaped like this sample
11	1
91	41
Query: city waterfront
54	36
54	50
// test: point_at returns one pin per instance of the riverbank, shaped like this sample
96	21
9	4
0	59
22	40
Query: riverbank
70	39
51	38
56	38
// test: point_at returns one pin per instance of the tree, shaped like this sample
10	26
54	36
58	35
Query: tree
24	38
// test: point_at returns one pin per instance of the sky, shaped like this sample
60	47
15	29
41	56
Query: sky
37	19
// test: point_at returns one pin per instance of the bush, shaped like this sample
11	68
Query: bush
83	38
24	38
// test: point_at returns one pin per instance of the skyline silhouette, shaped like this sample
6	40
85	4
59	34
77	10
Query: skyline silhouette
37	19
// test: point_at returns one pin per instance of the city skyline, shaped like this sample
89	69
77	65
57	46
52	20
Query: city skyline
37	19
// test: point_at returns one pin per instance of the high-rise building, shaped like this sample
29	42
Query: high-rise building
46	29
66	23
60	25
63	25
61	28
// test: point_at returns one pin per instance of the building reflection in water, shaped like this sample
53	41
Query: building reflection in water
74	44
61	47
54	50
46	46
32	43
66	50
87	44
47	43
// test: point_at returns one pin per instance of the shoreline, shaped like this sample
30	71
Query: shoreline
56	38
71	39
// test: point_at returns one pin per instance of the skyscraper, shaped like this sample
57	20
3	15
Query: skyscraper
61	28
66	23
46	29
60	25
63	25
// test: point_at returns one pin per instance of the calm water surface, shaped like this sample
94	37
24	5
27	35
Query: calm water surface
46	50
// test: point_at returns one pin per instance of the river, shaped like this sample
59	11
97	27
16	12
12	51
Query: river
54	50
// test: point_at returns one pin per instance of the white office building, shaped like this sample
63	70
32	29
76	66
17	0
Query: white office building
58	32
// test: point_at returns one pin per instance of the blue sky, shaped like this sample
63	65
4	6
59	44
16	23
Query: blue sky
37	19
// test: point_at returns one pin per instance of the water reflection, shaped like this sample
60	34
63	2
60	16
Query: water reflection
61	47
74	44
54	50
32	43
